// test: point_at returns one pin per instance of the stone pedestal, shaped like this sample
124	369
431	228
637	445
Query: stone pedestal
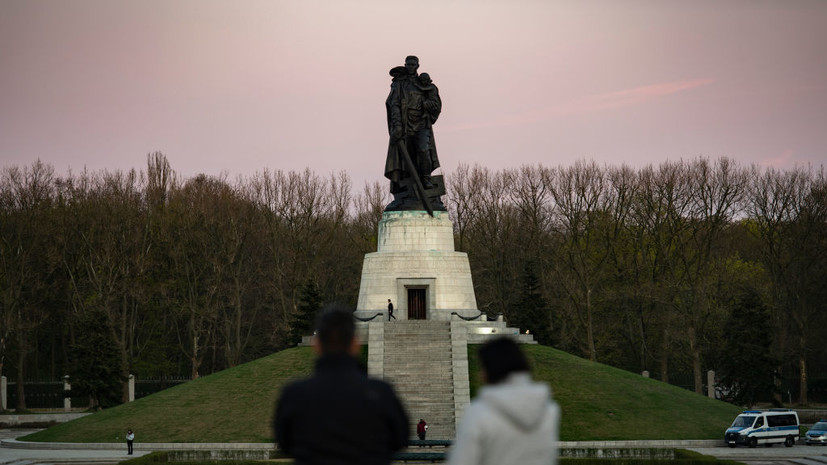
415	253
415	265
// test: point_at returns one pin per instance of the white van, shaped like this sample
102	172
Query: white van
766	427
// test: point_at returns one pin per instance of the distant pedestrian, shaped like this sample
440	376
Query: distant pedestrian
130	438
421	429
390	310
339	415
513	420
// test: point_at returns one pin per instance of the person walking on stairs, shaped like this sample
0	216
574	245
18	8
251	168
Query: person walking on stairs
390	310
421	429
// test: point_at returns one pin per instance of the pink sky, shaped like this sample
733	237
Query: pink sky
239	86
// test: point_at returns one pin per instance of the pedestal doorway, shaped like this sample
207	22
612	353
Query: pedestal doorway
416	304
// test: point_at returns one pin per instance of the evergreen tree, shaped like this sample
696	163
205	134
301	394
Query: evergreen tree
96	370
746	365
310	301
531	312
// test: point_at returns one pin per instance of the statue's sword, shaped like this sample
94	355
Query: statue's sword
419	188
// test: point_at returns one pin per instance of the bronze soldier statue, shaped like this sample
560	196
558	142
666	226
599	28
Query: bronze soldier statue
413	106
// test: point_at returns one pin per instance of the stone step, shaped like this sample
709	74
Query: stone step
402	327
433	391
400	361
416	367
419	379
417	347
412	335
403	324
417	330
422	342
426	369
425	402
436	365
435	408
416	323
438	418
407	325
417	344
416	376
415	383
431	394
416	379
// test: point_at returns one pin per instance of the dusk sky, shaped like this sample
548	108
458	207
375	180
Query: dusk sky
240	86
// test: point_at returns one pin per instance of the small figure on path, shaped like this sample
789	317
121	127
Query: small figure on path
421	429
390	310
130	438
339	415
513	420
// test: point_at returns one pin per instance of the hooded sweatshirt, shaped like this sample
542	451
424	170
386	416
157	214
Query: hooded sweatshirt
512	422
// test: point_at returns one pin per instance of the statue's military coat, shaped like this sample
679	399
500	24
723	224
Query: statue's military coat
406	108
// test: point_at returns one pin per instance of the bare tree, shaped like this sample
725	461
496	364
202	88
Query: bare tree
789	213
464	186
26	198
580	195
716	190
493	241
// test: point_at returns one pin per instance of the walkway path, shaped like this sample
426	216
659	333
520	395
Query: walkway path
31	453
13	452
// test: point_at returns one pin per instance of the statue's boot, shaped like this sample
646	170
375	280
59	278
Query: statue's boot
424	169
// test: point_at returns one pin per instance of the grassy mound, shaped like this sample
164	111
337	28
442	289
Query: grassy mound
236	405
599	402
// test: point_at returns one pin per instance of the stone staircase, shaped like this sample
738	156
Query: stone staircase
417	360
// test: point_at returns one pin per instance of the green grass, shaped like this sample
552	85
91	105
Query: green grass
236	405
599	402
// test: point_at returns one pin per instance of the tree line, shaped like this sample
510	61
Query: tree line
109	273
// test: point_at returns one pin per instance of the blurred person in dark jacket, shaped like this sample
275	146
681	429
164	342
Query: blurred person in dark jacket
339	415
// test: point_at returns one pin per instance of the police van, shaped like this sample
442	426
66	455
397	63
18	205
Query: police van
766	427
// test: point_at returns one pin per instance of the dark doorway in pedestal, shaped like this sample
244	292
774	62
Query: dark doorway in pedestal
416	303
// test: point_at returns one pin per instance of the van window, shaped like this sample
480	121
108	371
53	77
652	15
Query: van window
743	421
759	423
781	420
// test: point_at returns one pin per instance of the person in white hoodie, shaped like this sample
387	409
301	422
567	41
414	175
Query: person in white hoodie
513	419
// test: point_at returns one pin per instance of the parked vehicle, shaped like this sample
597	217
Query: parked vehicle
817	434
766	427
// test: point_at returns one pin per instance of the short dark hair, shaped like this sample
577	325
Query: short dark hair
500	358
335	329
412	57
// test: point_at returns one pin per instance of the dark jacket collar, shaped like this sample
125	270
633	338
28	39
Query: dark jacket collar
337	362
